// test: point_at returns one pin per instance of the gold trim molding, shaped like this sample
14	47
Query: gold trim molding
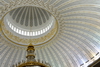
20	41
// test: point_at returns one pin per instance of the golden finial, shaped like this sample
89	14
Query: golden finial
30	47
30	44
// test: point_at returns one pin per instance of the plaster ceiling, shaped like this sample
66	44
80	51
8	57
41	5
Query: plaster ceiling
77	43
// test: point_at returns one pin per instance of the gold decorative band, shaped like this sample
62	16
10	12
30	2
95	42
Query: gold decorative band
20	41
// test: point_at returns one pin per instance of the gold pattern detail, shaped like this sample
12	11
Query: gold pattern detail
20	40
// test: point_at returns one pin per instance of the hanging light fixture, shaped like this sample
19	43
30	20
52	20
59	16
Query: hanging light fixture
31	61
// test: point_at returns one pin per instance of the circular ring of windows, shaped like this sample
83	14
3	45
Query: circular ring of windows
29	33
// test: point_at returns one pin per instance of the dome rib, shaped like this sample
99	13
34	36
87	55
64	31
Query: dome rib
27	17
39	16
42	13
19	14
22	17
31	17
35	17
14	14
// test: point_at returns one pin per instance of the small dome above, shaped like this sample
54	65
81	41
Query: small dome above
29	24
30	16
29	20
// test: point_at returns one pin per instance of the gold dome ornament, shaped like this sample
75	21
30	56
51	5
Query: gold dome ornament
31	62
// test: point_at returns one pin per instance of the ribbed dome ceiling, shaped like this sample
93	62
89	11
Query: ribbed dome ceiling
30	16
29	21
77	43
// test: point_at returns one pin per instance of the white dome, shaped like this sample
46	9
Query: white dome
29	21
77	43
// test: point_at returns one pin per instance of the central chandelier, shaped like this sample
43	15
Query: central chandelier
31	62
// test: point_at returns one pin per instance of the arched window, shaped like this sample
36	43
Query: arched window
30	33
46	29
27	33
41	32
15	29
12	27
50	25
19	32
38	32
33	34
22	33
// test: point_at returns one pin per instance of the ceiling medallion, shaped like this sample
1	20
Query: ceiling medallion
18	22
